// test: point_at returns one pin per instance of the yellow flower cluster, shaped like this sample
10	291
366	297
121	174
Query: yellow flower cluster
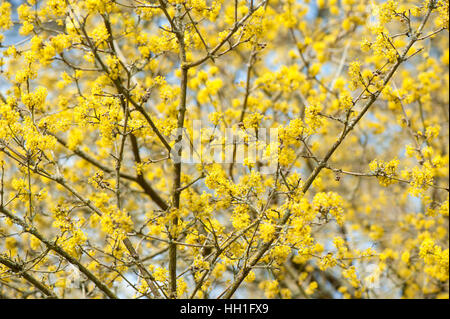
329	204
385	171
67	225
5	16
270	287
328	261
354	72
421	178
435	258
350	274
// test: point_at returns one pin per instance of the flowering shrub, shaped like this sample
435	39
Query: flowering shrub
98	200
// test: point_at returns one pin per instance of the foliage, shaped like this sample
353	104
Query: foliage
94	203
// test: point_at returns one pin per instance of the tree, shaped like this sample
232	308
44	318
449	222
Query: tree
224	148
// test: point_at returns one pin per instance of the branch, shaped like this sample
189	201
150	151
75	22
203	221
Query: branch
60	251
373	97
18	269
